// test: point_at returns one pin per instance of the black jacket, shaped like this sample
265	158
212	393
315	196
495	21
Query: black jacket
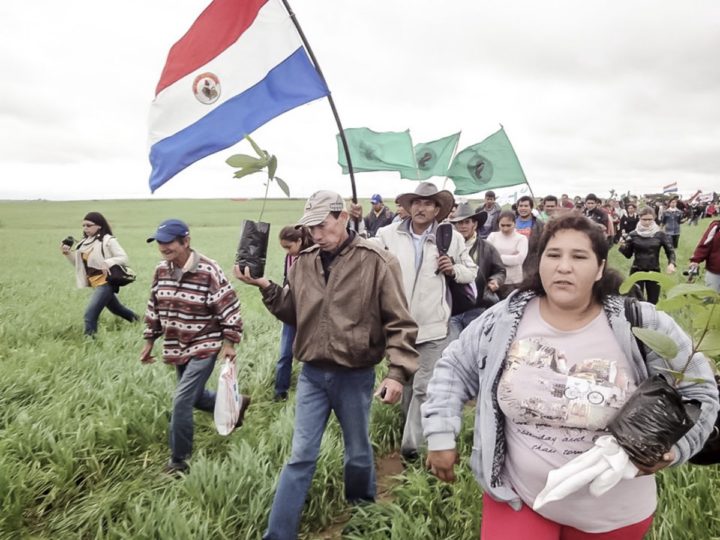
373	222
628	223
647	251
490	266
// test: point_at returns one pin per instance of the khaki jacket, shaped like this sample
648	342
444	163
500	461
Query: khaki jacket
427	292
356	318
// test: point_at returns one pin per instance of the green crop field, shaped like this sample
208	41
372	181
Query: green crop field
83	424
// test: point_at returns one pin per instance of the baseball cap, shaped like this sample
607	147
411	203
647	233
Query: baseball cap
376	199
169	230
318	206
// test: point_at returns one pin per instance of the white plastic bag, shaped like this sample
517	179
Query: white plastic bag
227	402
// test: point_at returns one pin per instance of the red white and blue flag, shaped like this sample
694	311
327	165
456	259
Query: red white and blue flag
670	188
241	64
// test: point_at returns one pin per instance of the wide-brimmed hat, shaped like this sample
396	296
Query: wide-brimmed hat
427	190
465	211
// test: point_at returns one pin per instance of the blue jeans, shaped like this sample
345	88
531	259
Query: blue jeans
348	393
190	393
104	297
459	322
283	370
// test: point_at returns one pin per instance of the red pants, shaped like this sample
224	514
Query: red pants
500	522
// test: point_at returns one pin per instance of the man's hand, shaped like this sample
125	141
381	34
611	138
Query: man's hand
694	266
393	391
146	356
445	265
355	211
245	277
666	460
227	351
442	463
493	285
671	268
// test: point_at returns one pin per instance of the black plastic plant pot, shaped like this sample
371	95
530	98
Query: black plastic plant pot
651	421
252	249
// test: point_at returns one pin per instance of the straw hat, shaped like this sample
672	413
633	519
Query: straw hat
465	211
427	190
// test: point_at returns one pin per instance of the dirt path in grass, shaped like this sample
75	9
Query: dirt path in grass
385	469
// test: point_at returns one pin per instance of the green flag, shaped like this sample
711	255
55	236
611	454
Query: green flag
432	158
373	151
489	164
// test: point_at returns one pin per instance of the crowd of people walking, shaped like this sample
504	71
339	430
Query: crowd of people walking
505	307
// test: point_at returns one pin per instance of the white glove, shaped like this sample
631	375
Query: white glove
603	466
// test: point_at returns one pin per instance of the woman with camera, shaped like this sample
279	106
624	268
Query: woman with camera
548	369
644	243
93	257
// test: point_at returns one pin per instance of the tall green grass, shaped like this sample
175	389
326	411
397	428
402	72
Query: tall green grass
83	425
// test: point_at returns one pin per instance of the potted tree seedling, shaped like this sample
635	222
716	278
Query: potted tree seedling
655	417
254	235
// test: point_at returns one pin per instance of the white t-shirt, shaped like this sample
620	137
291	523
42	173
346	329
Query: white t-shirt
558	391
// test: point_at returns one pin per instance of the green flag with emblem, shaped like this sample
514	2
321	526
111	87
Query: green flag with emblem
376	151
432	158
489	164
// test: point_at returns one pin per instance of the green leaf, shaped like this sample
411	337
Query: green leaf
257	149
272	167
678	375
283	186
657	341
665	281
245	172
672	304
710	343
686	289
241	161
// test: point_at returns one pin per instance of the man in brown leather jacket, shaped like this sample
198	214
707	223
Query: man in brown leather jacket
346	298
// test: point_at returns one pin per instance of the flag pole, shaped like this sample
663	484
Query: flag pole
527	182
452	156
329	96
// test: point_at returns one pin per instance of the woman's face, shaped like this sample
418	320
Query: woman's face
507	225
292	248
89	228
647	219
569	269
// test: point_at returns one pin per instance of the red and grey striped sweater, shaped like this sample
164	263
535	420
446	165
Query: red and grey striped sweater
194	308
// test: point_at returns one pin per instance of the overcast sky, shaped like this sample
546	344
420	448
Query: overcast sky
612	94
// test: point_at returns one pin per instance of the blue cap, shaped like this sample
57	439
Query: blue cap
169	230
376	199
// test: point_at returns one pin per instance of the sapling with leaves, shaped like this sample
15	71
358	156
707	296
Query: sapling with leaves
694	307
247	165
655	417
252	249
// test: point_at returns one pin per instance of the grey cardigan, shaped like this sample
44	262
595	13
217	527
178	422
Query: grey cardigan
471	366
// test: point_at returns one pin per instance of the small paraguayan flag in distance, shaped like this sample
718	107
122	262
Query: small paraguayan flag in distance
489	164
376	151
241	64
432	158
670	188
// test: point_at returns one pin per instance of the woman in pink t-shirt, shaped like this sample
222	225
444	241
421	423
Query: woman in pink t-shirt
513	248
548	368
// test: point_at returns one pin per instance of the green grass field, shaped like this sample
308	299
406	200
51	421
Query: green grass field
83	424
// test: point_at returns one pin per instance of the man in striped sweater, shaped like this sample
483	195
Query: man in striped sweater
194	307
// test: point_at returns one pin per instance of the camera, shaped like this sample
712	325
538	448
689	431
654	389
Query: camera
69	241
691	273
